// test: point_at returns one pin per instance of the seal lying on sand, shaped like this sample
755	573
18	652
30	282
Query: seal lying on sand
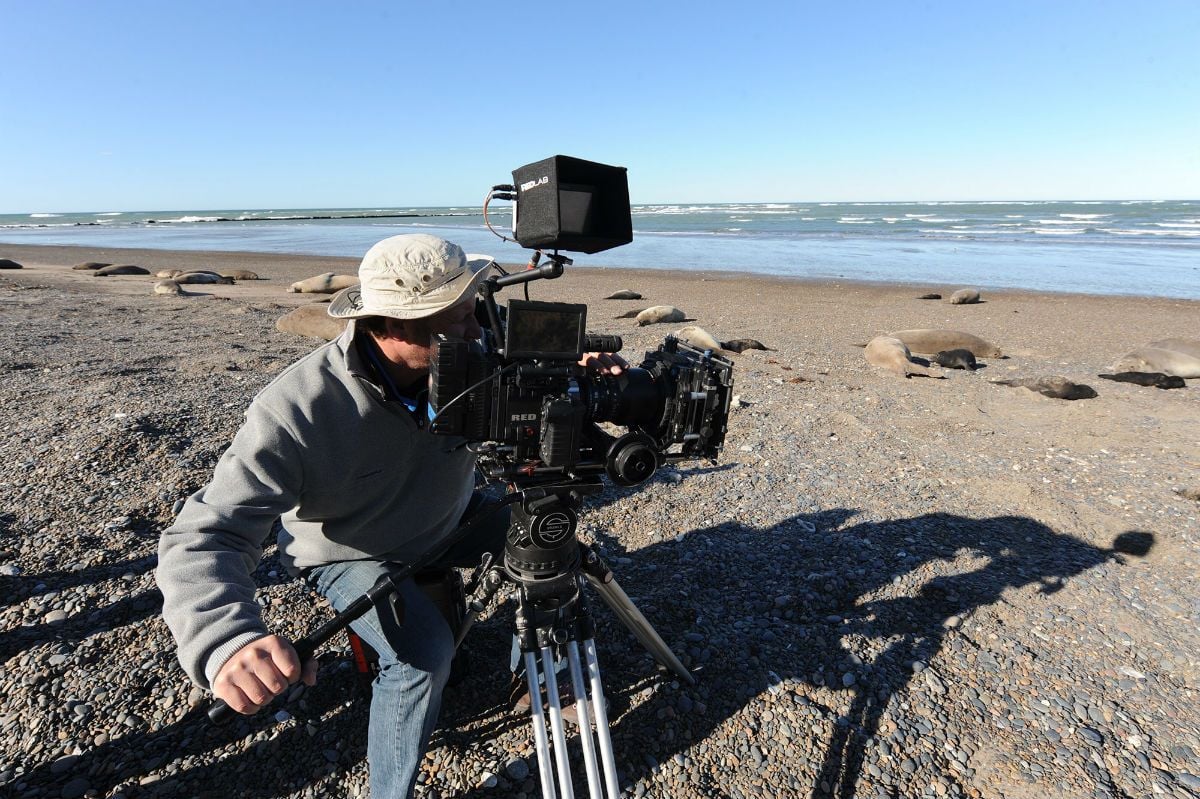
698	337
630	314
956	359
929	341
1155	359
624	294
168	274
89	266
167	287
239	274
891	354
740	345
964	297
6	263
930	296
1054	387
120	269
1156	379
311	320
326	283
660	313
202	277
1188	346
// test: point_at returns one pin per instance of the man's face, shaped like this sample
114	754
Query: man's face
456	322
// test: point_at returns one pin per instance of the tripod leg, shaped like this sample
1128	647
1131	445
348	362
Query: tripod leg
556	725
607	757
632	618
585	722
539	727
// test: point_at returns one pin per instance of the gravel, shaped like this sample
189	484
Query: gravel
884	588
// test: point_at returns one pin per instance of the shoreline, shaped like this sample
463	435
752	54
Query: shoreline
289	264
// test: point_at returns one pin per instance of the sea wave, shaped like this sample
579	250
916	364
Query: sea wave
1085	216
43	216
110	213
1057	231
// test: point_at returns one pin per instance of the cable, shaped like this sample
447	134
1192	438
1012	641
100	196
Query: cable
488	199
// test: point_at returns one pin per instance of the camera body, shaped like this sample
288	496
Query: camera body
537	408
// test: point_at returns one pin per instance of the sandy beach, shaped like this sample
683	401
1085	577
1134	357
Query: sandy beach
885	587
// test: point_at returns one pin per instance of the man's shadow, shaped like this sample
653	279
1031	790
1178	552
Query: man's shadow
792	600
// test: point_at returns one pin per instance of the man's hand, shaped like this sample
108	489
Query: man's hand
605	363
259	672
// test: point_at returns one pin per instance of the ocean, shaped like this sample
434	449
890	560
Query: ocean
1147	248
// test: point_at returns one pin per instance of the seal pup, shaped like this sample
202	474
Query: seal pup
699	338
930	296
891	354
1156	379
239	274
1188	346
7	263
740	345
965	297
120	269
89	266
930	340
325	283
659	313
313	321
1155	359
167	287
624	294
202	277
956	359
1055	387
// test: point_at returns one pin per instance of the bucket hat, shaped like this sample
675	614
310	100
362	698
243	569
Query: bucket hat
410	277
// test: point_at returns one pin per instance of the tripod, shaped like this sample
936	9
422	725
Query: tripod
547	564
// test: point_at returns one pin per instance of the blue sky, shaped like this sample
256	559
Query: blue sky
223	105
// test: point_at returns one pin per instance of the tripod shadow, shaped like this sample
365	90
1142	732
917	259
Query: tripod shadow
796	604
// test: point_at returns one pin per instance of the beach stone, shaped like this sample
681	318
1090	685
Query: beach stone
6	263
75	788
517	769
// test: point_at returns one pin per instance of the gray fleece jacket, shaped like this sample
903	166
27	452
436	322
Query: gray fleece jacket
347	471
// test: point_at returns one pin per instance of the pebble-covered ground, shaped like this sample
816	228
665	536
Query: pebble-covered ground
885	587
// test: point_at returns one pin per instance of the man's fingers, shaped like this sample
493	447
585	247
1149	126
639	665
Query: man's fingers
310	672
284	659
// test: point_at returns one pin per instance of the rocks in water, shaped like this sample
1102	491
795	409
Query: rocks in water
1156	379
624	294
311	320
965	297
120	269
7	263
1054	386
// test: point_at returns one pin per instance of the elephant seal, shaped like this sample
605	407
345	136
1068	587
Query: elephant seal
930	296
956	359
6	263
1156	379
965	297
1188	346
659	313
740	345
1054	387
624	294
88	266
120	269
202	277
929	341
325	283
891	354
630	314
1155	359
167	287
239	274
313	321
168	274
698	337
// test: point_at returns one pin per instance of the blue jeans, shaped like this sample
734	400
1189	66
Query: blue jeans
414	656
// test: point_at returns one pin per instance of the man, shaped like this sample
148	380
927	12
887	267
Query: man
337	448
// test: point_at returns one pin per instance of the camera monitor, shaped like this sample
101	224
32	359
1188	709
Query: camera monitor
545	330
566	203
